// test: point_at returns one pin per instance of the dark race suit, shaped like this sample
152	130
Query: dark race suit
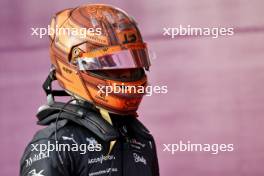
134	153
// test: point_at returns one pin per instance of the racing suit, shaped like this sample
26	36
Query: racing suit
76	142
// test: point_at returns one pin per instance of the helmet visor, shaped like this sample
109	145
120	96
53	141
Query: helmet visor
124	59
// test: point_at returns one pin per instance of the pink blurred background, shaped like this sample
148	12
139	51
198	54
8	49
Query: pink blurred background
215	85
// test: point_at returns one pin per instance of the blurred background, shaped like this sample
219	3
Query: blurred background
215	86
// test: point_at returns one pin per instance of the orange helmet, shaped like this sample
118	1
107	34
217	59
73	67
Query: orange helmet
93	38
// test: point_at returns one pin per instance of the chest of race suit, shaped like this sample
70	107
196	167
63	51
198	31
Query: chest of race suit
87	145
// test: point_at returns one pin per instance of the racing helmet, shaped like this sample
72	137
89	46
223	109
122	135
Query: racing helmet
90	41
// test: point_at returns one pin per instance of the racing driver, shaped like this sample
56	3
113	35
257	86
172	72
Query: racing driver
93	133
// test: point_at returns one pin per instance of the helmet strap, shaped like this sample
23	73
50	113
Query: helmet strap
47	86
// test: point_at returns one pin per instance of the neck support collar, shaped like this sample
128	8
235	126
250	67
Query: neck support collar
79	114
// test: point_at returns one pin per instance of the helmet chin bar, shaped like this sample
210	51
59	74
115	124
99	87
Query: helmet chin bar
47	86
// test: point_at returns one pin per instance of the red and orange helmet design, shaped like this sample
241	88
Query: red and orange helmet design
97	37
